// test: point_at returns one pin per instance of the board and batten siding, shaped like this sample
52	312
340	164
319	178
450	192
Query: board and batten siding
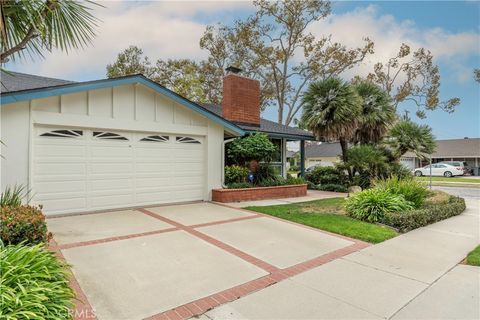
132	107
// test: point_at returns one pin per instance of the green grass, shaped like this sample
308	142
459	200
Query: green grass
473	258
328	215
453	179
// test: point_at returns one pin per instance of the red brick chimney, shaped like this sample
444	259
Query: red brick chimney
241	98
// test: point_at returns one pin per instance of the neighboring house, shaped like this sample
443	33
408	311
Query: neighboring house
467	150
324	154
293	158
122	142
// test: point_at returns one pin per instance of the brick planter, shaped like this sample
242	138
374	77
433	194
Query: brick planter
260	193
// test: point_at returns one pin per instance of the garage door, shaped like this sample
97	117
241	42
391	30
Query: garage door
77	170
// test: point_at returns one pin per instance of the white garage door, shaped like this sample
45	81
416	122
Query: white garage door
77	170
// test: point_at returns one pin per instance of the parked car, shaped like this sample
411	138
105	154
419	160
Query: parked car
439	169
459	165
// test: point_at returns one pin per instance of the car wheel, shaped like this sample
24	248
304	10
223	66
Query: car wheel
447	174
418	173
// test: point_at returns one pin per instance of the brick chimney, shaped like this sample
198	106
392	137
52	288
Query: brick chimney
241	98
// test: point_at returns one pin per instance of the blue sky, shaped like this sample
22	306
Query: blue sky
451	30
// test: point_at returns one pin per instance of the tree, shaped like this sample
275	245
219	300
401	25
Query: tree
275	47
377	114
331	109
35	26
369	161
407	136
256	146
412	77
190	79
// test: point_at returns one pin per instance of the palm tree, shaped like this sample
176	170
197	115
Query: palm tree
407	135
330	110
377	115
34	26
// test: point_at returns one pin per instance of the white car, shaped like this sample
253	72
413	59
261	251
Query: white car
439	169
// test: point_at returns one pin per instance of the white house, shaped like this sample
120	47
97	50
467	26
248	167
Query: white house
122	142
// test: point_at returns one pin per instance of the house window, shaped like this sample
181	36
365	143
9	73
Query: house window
108	136
187	140
277	161
156	139
63	133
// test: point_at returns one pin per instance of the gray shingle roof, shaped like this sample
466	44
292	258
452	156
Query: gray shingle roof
323	150
455	148
16	81
266	126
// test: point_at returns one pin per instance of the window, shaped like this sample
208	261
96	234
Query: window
187	140
156	139
63	133
108	136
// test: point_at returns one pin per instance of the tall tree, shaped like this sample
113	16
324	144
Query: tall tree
407	135
377	113
275	47
331	109
412	77
35	26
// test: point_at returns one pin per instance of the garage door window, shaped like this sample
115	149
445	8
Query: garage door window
63	133
156	139
187	140
108	136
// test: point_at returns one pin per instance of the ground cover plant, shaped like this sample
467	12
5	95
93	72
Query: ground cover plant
473	258
328	215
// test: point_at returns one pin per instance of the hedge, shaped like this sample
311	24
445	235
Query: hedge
24	224
413	219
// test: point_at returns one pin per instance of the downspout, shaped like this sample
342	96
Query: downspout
223	160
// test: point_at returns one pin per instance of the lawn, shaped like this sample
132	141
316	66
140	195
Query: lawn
453	179
328	215
473	258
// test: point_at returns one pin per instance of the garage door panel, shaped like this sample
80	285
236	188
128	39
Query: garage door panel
95	172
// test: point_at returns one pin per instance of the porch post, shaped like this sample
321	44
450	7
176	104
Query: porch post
302	158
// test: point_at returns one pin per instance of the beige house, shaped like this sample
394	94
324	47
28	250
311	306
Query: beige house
324	154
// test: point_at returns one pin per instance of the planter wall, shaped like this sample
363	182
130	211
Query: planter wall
260	193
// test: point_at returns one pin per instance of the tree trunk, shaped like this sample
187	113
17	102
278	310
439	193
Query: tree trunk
344	146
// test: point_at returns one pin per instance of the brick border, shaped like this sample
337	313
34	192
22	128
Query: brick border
83	309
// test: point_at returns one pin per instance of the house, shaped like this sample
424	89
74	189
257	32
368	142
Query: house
123	142
467	150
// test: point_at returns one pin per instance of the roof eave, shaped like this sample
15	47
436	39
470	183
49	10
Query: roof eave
294	137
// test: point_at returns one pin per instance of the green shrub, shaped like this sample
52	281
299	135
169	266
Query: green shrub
235	174
332	187
326	175
292	180
372	204
412	190
412	219
266	175
34	284
311	185
272	182
256	146
294	168
23	224
12	197
238	185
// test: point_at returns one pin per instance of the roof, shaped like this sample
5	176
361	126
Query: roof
291	154
16	81
270	127
323	150
455	148
55	87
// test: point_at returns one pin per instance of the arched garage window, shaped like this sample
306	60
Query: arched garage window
63	133
187	140
108	136
156	139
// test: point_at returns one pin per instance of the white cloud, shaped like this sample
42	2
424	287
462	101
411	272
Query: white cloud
388	33
162	29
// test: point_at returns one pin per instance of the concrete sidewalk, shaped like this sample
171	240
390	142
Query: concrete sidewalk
414	275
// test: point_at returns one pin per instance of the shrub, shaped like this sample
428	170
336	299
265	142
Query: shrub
292	180
294	168
332	187
265	174
238	185
412	219
412	190
13	197
23	224
372	204
34	284
234	174
256	146
326	175
311	185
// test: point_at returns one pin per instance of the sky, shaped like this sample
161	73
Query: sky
449	29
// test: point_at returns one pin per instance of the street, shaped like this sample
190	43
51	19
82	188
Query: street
465	192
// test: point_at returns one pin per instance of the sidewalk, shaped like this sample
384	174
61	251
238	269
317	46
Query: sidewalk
414	275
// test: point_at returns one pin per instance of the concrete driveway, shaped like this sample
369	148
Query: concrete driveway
174	262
